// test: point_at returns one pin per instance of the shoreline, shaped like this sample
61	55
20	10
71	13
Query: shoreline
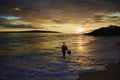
112	73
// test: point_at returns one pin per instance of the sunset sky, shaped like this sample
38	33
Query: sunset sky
68	16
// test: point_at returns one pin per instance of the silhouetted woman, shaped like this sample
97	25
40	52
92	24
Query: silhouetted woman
64	49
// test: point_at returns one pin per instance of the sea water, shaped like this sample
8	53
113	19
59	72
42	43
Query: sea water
37	56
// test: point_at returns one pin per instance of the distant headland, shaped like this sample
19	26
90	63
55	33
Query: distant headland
106	31
31	31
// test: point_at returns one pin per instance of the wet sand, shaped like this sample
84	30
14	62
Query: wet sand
112	73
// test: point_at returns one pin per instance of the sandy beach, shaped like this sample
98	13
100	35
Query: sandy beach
112	73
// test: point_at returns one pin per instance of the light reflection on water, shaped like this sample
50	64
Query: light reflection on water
88	52
22	43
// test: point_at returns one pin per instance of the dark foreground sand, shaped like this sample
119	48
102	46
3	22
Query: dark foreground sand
112	73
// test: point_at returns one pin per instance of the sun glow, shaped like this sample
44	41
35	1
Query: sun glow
79	30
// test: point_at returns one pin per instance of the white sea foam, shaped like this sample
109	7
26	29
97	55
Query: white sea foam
29	63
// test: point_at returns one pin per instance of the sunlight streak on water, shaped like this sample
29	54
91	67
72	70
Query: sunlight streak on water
38	54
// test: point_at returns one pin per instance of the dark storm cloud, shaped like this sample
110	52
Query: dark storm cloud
113	17
15	26
7	24
62	4
60	11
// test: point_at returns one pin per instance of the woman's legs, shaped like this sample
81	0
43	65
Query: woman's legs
64	55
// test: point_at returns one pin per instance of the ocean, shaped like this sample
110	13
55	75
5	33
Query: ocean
37	56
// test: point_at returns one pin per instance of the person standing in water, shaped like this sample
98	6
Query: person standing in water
64	49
